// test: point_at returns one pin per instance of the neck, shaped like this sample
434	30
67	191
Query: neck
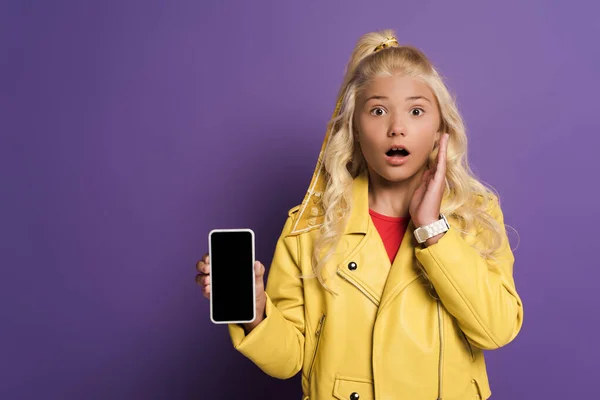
392	198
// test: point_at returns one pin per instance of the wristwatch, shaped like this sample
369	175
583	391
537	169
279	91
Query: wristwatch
425	232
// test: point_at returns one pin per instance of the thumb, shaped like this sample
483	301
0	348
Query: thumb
259	280
259	271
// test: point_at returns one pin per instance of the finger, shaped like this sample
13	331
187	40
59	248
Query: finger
259	270
434	165
259	281
441	145
202	279
427	175
417	197
441	164
203	260
206	291
439	158
420	190
203	268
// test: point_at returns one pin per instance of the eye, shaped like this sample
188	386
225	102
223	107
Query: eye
378	111
415	109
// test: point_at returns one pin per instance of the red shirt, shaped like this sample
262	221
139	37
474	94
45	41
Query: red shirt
391	230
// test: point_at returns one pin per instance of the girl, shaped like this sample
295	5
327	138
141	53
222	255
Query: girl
412	263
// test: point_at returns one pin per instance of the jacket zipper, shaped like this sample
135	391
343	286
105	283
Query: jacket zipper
318	338
441	360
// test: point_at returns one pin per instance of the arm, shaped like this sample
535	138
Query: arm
479	293
276	344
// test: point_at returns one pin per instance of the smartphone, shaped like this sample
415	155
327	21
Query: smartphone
232	288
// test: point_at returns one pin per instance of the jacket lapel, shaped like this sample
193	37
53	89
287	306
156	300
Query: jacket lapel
404	270
363	262
372	274
360	257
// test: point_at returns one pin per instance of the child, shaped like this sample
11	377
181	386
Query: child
412	264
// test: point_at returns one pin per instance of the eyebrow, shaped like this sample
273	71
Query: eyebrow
407	99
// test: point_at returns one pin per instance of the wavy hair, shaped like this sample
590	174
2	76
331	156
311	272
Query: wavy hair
465	197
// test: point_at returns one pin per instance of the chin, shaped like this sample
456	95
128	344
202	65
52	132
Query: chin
393	174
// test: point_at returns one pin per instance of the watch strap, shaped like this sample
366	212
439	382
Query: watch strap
425	232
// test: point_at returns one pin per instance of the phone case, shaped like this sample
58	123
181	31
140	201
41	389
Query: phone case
252	271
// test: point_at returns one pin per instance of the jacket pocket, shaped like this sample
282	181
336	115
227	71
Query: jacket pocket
318	335
346	388
467	344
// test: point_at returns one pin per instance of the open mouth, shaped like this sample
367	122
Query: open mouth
397	152
397	155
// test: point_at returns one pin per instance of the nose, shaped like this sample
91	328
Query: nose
397	127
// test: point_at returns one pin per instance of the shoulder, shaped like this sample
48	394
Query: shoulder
291	220
478	208
300	222
489	203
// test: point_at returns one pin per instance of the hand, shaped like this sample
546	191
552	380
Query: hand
203	276
203	279
424	207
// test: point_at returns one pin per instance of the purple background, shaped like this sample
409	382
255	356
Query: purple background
130	130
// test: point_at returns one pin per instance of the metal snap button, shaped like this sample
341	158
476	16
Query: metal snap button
354	396
352	266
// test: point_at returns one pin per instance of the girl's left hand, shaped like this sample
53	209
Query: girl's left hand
424	207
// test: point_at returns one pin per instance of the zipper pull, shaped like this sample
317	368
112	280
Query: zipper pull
318	332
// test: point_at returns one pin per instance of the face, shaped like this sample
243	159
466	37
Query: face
397	111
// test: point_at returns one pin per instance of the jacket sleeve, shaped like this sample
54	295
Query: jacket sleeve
479	293
276	345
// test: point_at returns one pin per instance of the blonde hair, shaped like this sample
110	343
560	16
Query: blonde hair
465	197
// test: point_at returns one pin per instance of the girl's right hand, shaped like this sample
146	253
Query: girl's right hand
203	279
203	276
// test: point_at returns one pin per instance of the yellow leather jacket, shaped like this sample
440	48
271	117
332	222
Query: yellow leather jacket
384	336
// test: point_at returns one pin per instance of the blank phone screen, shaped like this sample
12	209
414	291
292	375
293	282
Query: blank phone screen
232	276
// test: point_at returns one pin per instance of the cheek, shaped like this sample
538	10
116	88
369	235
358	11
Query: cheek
368	147
369	123
424	149
371	132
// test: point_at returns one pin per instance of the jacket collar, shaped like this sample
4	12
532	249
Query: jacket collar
358	221
311	214
401	273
